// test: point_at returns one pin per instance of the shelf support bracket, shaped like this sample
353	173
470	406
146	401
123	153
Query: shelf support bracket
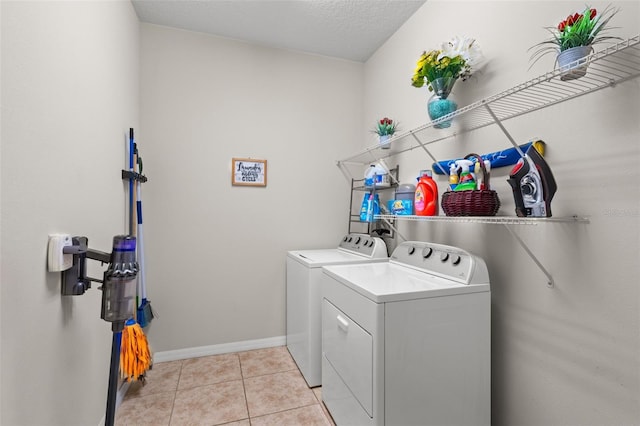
344	170
550	281
388	222
445	172
504	130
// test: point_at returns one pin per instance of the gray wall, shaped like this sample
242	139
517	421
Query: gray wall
70	80
69	95
216	251
567	355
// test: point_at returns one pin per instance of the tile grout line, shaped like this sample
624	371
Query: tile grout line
175	394
285	410
244	389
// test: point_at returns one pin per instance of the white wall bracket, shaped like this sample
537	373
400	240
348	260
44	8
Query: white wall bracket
550	281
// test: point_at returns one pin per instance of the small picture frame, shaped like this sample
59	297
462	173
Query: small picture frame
248	172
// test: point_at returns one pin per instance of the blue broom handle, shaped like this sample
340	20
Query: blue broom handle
131	148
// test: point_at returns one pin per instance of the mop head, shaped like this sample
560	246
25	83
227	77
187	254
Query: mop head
135	356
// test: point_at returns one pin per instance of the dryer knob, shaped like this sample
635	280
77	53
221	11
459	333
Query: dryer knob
456	259
427	252
358	240
444	256
412	250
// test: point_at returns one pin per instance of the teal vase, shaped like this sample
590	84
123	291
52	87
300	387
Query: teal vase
440	102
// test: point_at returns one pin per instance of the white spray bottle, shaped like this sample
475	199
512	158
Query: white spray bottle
467	182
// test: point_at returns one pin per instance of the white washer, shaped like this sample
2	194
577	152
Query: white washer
408	342
304	298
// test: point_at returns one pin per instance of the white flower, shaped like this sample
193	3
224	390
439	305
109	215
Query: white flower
466	47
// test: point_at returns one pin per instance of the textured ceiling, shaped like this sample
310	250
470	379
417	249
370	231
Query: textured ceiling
348	29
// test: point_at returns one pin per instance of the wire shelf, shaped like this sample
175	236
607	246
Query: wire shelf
501	220
606	68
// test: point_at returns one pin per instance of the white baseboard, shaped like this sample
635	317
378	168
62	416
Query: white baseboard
224	348
122	391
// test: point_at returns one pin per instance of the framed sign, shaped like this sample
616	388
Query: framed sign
248	172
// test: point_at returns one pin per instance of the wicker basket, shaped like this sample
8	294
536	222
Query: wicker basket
483	202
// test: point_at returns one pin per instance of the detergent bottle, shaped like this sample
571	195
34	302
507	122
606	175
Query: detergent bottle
364	209
426	196
377	176
370	207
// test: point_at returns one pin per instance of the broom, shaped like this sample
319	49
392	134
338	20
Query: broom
145	312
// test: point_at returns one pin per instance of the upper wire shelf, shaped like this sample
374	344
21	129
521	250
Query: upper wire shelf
607	67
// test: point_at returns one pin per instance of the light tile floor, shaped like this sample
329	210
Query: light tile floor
253	388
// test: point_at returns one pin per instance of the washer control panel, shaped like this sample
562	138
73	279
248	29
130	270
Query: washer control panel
445	261
365	245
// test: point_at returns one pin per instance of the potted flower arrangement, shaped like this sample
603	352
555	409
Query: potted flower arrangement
385	128
440	69
572	39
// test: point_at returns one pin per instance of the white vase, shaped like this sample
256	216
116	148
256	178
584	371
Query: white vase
573	62
385	143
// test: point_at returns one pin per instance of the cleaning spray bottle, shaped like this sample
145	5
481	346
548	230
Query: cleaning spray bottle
477	170
467	181
482	179
453	176
426	196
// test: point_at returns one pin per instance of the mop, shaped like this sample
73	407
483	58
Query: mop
135	356
145	312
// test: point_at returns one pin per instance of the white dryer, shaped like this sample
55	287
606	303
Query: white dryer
304	298
408	342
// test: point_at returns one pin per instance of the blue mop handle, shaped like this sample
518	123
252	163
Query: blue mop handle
140	238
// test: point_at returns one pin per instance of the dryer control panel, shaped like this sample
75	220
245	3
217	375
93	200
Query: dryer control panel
444	261
364	245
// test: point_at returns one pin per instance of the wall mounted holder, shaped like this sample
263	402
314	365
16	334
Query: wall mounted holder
118	282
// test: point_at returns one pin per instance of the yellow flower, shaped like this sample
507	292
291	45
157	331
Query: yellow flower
453	60
423	59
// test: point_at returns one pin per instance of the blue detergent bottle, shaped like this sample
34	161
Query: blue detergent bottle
370	207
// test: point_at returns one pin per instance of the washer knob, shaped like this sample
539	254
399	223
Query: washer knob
456	259
444	256
412	250
427	252
358	240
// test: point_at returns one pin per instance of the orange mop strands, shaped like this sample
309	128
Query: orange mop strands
135	356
